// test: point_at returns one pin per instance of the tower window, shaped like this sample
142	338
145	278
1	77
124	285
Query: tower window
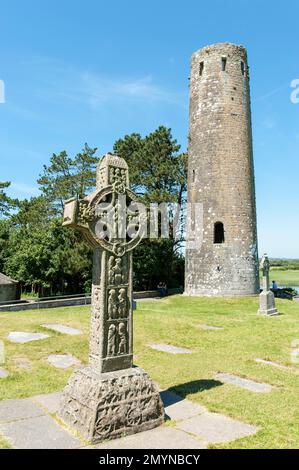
242	67
218	232
193	176
201	67
223	64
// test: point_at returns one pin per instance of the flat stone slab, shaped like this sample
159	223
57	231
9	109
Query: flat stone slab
41	432
177	408
67	330
22	363
163	437
23	337
3	373
14	410
50	402
244	383
203	326
216	428
170	349
274	364
63	361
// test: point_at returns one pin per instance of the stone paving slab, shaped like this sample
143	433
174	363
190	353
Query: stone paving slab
177	408
41	432
63	361
248	384
14	410
67	330
49	402
164	437
25	337
203	326
216	428
26	424
168	348
3	373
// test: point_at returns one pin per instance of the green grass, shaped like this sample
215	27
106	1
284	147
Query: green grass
4	444
288	277
173	320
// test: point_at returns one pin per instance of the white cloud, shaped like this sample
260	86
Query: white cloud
95	90
24	189
67	82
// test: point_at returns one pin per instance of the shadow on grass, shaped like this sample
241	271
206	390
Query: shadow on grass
179	392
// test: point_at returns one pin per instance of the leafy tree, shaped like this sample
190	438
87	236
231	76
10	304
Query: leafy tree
6	203
157	169
158	173
44	256
48	258
4	241
68	177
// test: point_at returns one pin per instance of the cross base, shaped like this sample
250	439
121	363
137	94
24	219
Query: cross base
110	405
267	304
269	312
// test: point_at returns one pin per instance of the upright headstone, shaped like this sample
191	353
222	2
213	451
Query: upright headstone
267	299
110	397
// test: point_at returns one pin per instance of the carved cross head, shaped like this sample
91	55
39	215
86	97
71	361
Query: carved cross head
265	265
111	217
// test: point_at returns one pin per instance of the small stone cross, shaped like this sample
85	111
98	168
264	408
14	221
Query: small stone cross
265	267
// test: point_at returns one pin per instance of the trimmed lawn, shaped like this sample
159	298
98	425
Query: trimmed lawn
173	320
289	277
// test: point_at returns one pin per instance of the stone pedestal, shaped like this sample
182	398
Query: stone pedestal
110	405
267	304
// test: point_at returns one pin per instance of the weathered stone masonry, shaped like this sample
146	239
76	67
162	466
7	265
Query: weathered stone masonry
221	175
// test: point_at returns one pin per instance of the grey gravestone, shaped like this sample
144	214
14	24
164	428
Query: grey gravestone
244	383
203	326
67	330
267	299
109	397
271	363
63	361
23	337
3	373
168	348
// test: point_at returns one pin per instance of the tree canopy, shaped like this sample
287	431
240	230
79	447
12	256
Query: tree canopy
48	258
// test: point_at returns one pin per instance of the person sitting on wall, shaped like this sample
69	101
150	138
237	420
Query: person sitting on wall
161	289
274	285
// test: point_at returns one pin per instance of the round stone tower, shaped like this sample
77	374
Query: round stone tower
221	248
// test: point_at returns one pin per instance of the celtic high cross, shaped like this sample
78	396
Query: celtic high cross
109	397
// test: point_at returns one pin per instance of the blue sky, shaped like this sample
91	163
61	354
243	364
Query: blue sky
92	71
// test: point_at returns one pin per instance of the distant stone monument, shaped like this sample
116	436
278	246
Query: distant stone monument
267	299
110	397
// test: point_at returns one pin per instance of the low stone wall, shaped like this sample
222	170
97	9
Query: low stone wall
72	302
36	305
149	294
